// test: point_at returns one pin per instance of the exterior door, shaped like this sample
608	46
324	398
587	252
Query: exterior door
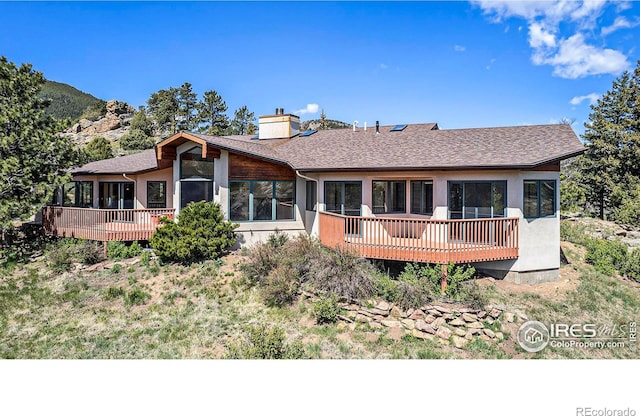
117	195
345	198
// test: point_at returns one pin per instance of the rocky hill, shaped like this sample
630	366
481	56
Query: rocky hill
315	124
112	125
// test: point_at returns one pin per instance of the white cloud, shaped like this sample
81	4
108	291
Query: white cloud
593	99
459	48
491	62
539	37
576	59
383	66
310	109
571	55
619	23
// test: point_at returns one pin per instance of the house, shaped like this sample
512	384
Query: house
489	196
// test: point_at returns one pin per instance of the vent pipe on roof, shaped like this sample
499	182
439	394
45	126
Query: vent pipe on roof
355	124
377	127
279	111
365	126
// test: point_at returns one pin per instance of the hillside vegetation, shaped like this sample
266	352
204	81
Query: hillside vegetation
141	308
67	101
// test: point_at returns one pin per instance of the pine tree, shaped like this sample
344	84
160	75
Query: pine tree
98	148
212	115
163	106
323	121
243	122
187	103
140	121
33	156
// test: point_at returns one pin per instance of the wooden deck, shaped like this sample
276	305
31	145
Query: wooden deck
427	241
103	224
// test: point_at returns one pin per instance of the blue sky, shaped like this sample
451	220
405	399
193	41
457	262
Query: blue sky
461	64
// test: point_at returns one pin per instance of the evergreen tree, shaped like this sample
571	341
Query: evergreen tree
243	122
212	115
33	156
163	106
140	121
136	140
97	149
187	104
612	159
323	121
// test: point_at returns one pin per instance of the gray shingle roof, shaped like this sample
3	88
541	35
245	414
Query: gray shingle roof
418	146
135	163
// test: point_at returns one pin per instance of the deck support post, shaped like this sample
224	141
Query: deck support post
443	278
104	249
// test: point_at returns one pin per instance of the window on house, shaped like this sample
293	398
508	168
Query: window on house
116	195
477	199
75	194
539	198
422	197
343	198
194	166
312	195
388	196
261	200
196	177
157	194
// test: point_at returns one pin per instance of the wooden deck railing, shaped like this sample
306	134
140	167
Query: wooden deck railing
429	240
103	224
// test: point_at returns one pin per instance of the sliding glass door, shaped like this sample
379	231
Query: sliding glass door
468	200
116	195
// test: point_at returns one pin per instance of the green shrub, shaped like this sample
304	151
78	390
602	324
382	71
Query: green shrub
456	275
134	249
262	259
114	292
277	239
60	258
573	232
343	273
116	250
473	295
263	342
18	243
631	267
606	256
136	140
145	258
386	287
136	296
90	252
280	288
117	268
201	233
326	309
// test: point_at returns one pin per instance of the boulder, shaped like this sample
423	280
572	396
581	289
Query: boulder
408	323
118	107
475	325
443	332
460	332
421	335
495	313
382	305
509	317
438	323
429	318
489	333
457	322
417	314
467	317
442	309
84	124
395	312
391	323
459	342
424	327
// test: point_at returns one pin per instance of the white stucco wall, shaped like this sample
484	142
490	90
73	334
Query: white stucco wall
539	239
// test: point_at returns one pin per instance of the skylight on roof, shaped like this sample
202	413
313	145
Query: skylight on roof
308	133
399	127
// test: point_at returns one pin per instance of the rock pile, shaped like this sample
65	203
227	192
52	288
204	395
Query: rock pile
112	126
457	325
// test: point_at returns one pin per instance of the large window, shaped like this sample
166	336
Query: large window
75	194
422	197
261	200
388	196
478	199
194	166
116	195
343	197
156	194
539	198
312	195
196	177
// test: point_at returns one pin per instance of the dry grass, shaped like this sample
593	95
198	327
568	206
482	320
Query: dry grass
201	310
